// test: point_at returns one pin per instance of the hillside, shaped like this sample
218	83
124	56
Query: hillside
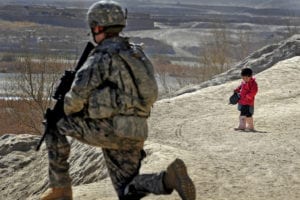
225	164
197	127
179	31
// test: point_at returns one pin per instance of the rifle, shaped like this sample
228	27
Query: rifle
52	116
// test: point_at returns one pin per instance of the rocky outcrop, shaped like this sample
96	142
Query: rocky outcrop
258	61
20	163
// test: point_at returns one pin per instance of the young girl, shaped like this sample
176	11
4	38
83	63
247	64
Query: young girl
247	91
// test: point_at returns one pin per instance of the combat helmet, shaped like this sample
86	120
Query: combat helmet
106	14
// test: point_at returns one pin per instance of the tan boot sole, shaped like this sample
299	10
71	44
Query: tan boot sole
184	185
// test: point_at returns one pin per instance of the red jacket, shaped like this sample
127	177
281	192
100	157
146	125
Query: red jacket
247	91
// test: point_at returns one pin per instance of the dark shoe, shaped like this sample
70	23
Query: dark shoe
64	193
239	129
250	130
177	178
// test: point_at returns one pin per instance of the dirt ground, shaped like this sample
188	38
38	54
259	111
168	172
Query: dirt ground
198	128
227	164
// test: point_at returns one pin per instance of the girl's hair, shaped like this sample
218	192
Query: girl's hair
246	72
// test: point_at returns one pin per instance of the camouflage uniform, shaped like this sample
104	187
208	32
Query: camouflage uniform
103	110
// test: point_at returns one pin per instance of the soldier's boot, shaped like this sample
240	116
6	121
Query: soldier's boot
177	178
63	193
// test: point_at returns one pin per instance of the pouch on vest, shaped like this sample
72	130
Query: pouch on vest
142	72
130	127
100	103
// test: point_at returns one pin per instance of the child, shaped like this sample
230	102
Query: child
247	91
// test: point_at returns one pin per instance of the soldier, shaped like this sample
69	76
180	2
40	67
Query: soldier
108	107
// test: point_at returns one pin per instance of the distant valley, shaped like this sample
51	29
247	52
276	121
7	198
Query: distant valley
179	30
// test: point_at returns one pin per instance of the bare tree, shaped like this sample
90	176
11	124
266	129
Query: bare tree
32	89
174	76
244	44
215	56
162	71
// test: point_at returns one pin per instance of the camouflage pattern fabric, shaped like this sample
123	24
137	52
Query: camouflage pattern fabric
102	111
58	154
123	166
103	87
142	72
106	13
101	132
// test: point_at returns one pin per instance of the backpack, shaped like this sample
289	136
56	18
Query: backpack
110	101
142	73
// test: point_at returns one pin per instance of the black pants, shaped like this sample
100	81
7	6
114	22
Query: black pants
246	110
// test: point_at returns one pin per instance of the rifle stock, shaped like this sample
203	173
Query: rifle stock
52	116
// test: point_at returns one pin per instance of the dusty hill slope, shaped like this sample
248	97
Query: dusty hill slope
197	127
237	165
259	61
226	164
